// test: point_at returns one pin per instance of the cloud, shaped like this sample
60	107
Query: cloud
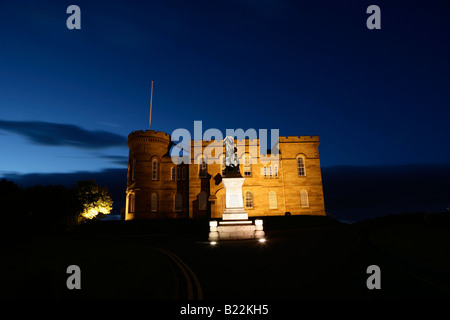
114	159
56	134
120	160
110	124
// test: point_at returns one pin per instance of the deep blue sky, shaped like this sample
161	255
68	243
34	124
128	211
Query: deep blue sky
69	98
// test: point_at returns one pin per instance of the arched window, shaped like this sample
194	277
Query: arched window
265	171
172	174
276	171
178	173
270	172
301	166
248	199
178	202
202	201
183	172
272	200
154	202
247	166
202	172
133	170
304	202
155	169
131	203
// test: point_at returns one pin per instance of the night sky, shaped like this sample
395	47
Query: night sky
69	98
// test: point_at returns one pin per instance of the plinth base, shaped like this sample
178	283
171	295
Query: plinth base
235	230
235	214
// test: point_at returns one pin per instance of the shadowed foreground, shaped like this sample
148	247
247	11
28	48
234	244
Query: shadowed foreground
303	258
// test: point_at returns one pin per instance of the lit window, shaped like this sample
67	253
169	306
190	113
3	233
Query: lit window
172	174
178	173
270	171
155	169
304	203
272	200
202	173
301	166
247	166
183	171
249	200
276	171
178	202
131	203
265	172
154	202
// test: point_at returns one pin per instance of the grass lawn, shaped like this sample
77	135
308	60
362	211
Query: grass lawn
424	244
304	257
109	270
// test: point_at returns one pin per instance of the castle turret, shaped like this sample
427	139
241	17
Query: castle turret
146	150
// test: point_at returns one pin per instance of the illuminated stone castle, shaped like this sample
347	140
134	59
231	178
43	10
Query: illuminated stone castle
159	188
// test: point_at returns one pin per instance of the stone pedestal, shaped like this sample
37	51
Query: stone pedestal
234	204
235	224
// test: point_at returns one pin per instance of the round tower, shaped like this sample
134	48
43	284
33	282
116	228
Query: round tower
146	151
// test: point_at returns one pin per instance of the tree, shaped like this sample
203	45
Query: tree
52	207
95	200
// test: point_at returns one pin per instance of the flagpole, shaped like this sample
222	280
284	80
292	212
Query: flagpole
150	117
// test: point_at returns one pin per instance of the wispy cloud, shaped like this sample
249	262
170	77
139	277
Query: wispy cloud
120	160
114	159
109	124
56	134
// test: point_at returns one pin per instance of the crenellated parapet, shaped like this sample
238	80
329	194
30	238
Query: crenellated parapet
299	139
148	136
249	141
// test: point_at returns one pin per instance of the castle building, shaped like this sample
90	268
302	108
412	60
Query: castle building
159	188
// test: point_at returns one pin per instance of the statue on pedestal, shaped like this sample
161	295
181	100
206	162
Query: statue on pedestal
231	159
235	224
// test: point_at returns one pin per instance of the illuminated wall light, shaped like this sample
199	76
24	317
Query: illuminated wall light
213	243
262	240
